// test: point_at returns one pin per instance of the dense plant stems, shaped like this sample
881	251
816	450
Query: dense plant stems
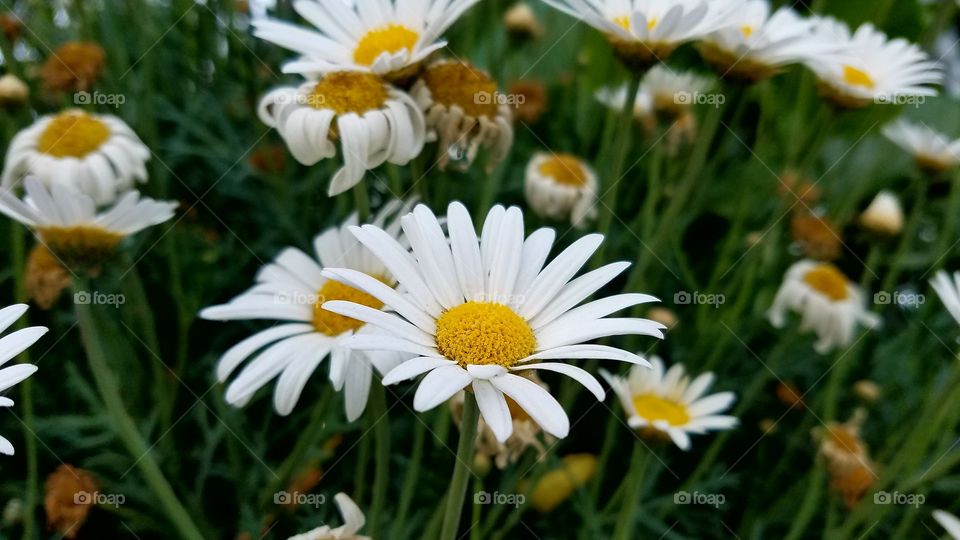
461	469
639	461
381	473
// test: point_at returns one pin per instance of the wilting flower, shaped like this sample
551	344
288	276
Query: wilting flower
391	38
353	521
949	291
67	223
372	121
13	91
852	472
479	314
868	67
292	289
68	499
817	236
931	150
949	522
10	346
557	485
561	186
668	405
46	277
464	112
73	67
828	303
97	154
884	215
521	22
531	100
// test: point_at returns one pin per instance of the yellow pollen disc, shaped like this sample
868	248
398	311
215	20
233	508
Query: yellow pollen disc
84	245
484	333
346	92
457	83
564	169
72	135
653	407
746	30
334	324
623	22
389	39
856	77
828	280
651	23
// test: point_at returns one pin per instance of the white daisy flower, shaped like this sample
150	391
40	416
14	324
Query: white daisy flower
561	186
480	313
465	112
930	149
670	405
372	121
663	91
391	38
97	154
67	222
291	290
828	303
10	346
868	67
949	522
353	521
949	291
644	32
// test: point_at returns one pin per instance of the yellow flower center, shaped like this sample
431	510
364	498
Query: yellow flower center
828	280
346	92
484	333
746	30
623	21
82	245
72	134
460	84
389	39
653	407
856	77
564	169
334	324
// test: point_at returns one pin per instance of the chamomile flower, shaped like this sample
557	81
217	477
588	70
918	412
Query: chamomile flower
97	154
353	521
669	405
465	112
10	346
391	38
868	67
67	222
481	313
948	289
931	150
291	290
949	522
829	304
561	186
372	121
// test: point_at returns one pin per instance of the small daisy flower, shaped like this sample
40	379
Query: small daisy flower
931	150
949	522
291	289
13	91
67	222
464	113
948	289
867	67
353	521
372	121
10	346
828	303
481	313
884	215
390	38
668	405
561	187
74	67
97	154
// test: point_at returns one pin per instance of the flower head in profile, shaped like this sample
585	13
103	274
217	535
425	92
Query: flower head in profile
372	122
829	304
73	67
931	150
884	215
97	154
668	405
391	38
67	223
482	313
561	187
291	290
10	346
353	521
947	288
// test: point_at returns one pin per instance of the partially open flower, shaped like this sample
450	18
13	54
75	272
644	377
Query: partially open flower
557	485
353	521
73	67
70	494
561	187
522	23
884	216
817	236
46	277
852	472
13	91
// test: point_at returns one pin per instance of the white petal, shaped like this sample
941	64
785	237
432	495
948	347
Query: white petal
440	385
493	408
413	368
537	402
575	373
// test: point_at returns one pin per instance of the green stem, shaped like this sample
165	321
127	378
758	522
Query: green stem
948	233
458	484
639	460
412	476
308	436
909	233
381	474
809	504
362	201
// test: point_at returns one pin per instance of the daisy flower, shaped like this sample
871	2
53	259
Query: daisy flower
291	290
644	32
97	154
391	38
372	121
949	291
663	92
10	346
949	522
464	112
353	521
868	67
480	313
561	186
828	303
669	405
67	222
931	150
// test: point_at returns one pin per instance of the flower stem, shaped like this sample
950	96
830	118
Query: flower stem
381	473
635	478
413	474
361	200
458	484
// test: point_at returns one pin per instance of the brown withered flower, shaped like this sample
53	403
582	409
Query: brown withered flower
70	493
75	66
531	100
818	237
46	277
